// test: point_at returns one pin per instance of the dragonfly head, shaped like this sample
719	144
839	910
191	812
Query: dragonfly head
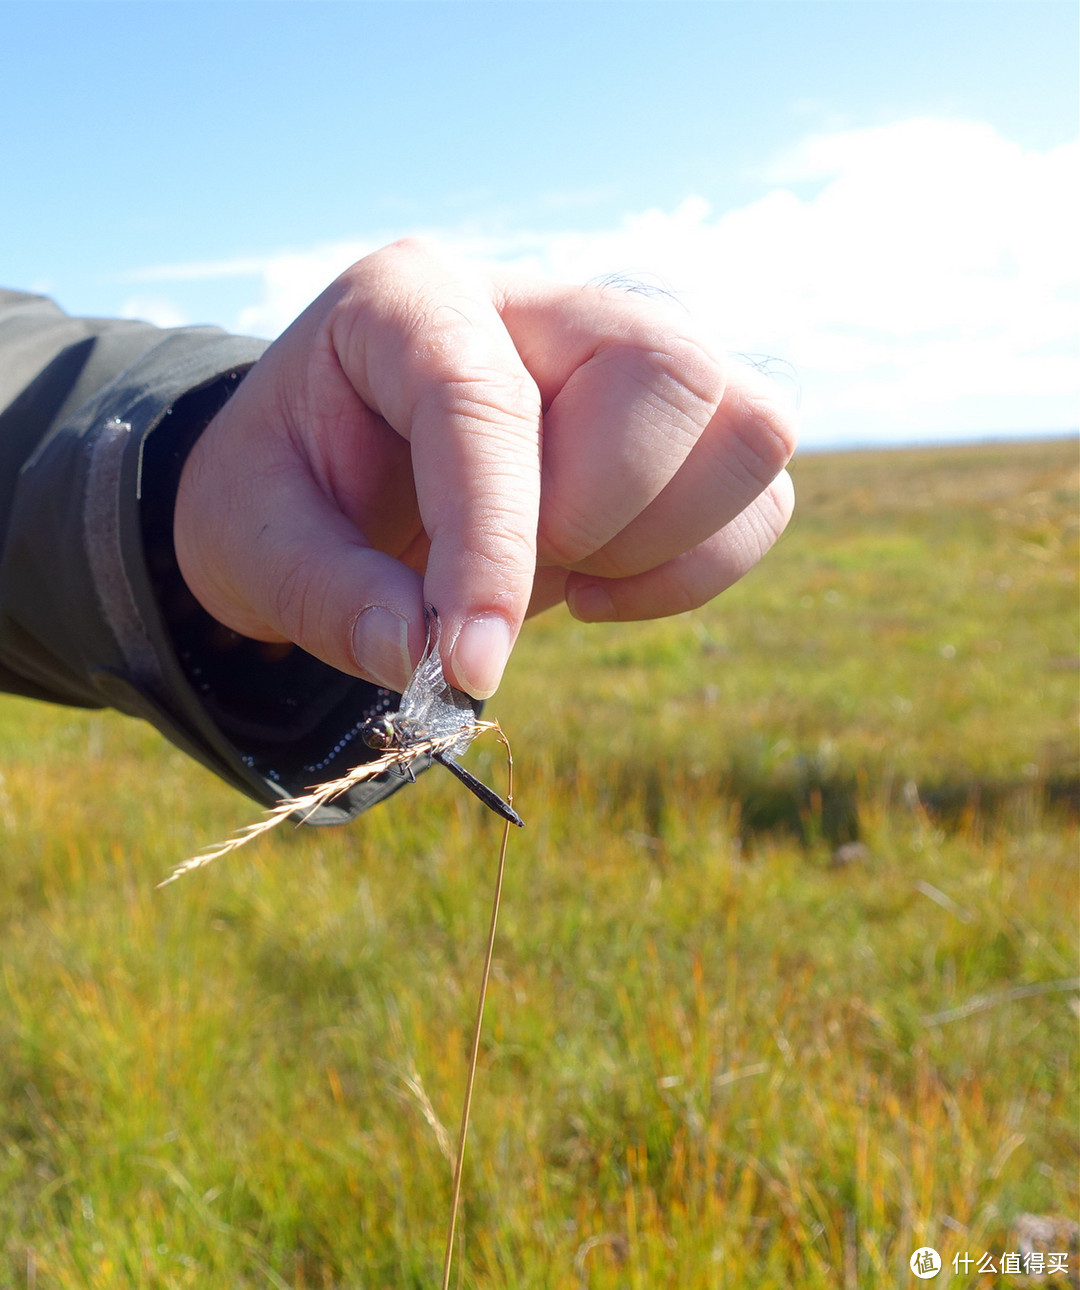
379	733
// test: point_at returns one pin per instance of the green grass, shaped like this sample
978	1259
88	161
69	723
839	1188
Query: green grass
713	1057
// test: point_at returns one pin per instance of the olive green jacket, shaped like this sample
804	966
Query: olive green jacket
96	417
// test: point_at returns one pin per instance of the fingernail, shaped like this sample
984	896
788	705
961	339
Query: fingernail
381	647
591	603
480	653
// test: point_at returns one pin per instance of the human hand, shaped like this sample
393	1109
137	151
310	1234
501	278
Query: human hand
492	446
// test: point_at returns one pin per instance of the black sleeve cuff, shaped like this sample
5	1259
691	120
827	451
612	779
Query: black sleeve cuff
93	610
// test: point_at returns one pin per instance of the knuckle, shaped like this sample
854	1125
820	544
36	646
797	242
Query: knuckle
672	369
506	538
412	248
414	245
509	552
481	398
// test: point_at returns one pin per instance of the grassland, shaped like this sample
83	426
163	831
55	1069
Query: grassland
721	1050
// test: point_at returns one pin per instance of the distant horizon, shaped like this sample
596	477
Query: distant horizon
975	441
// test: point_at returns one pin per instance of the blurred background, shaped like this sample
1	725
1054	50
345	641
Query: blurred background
880	198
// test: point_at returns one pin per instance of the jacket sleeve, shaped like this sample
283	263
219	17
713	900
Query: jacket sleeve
96	418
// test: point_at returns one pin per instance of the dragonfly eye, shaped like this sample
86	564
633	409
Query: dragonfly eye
379	733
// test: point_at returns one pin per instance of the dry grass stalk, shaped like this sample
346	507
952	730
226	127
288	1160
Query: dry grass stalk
415	1093
301	807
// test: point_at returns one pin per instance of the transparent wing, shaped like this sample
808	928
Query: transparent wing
430	702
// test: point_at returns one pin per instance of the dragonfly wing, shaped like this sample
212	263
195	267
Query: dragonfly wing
430	702
431	708
418	694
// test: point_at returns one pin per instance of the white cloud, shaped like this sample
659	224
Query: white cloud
249	266
292	280
157	309
921	277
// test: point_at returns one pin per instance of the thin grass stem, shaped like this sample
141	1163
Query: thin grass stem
470	1079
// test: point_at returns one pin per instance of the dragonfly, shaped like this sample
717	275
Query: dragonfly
434	712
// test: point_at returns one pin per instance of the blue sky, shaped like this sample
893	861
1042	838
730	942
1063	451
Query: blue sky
881	196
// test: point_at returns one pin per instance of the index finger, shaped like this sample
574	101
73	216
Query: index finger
423	345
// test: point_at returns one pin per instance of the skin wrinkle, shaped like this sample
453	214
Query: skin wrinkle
652	355
754	531
353	323
658	417
682	589
328	539
617	558
353	493
494	514
415	322
456	387
468	406
697	576
238	493
755	424
360	493
377	341
505	572
738	546
575	549
306	602
745	471
677	415
489	399
302	404
293	592
653	366
761	449
551	339
605	564
477	395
